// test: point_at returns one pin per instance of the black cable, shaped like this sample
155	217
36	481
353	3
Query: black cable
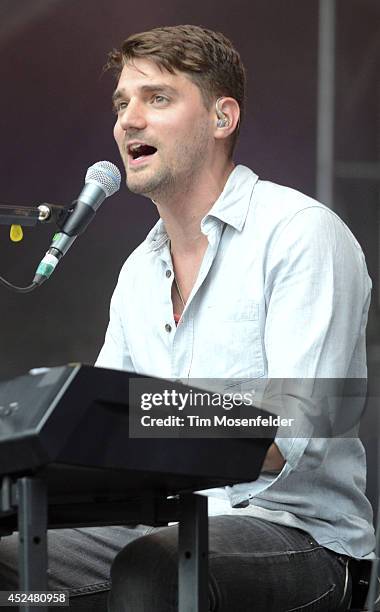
9	285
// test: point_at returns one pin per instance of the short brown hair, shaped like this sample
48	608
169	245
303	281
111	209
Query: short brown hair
207	57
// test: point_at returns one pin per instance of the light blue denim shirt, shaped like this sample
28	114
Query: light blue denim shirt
282	292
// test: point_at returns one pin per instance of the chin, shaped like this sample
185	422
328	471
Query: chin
136	187
139	187
151	184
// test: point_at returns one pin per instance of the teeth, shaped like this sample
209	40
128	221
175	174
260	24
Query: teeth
135	147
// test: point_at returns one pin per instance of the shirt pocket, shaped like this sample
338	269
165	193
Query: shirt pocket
233	329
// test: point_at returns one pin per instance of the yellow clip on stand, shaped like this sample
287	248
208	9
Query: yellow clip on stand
16	234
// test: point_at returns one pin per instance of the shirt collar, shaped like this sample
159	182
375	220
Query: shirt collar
231	207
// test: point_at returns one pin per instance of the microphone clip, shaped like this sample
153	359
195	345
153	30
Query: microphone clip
31	215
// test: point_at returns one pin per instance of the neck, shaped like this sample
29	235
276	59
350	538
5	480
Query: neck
183	211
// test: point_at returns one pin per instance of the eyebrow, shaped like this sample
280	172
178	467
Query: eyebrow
144	89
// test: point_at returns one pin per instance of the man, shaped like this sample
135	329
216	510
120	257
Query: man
240	278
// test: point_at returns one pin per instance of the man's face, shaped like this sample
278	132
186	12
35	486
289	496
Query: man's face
163	130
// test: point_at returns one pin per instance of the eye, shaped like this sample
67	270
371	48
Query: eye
118	107
158	99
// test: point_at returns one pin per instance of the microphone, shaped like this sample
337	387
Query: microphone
101	181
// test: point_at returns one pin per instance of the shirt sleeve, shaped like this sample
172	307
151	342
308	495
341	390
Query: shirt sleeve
317	294
115	352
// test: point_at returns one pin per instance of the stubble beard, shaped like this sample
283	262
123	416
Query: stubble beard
150	185
173	178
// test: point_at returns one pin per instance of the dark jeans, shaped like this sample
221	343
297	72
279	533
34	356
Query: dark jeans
79	561
255	566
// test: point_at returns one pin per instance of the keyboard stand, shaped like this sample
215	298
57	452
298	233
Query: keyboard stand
32	505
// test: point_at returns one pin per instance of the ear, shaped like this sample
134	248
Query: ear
227	117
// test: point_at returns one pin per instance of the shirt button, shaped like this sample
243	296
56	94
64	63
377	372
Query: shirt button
168	273
168	327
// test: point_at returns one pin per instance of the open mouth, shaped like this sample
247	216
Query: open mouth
139	151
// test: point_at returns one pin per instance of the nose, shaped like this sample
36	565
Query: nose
132	117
